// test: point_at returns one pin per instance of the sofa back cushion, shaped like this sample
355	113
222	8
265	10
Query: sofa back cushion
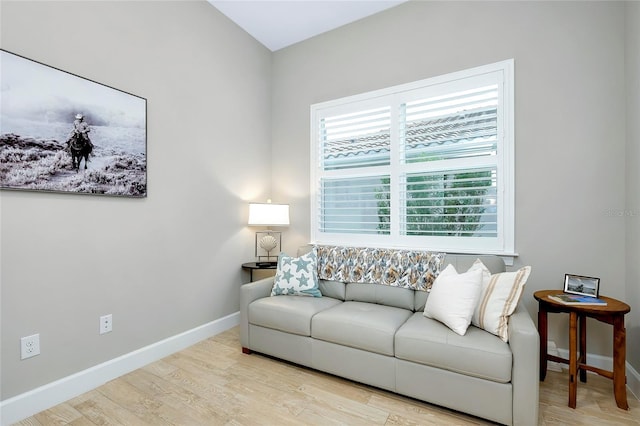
381	294
335	289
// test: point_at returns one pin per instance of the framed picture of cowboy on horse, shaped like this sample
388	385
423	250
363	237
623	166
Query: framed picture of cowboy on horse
60	132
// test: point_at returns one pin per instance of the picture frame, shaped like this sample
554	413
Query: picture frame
582	285
63	133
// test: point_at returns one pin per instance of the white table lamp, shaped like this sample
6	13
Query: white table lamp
268	214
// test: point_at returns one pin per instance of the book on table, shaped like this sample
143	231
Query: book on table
576	299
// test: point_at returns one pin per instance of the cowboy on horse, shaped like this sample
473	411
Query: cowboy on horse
80	131
79	145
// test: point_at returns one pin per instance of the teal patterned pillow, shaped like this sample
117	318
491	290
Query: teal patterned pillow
297	276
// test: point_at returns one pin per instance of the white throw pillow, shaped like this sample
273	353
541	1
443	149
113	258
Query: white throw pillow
498	299
453	298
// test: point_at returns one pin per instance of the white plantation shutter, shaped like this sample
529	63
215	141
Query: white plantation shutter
361	139
450	203
424	165
458	125
353	147
352	205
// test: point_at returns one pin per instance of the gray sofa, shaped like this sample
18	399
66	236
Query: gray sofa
377	335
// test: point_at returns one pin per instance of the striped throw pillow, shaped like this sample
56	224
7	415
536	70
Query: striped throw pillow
498	299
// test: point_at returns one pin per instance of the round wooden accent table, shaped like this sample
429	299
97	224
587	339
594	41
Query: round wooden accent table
612	313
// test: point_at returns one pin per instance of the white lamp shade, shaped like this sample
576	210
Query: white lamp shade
267	214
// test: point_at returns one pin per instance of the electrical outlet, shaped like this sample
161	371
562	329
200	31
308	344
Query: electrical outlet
106	324
29	346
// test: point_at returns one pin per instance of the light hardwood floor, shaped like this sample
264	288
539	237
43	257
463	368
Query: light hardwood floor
213	383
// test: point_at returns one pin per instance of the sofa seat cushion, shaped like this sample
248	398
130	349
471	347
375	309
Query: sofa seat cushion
291	314
477	353
380	294
360	325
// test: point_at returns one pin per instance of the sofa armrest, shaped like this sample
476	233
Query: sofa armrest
248	293
525	377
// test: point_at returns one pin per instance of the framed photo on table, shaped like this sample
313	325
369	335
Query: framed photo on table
579	284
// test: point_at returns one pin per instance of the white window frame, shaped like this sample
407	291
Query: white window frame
504	243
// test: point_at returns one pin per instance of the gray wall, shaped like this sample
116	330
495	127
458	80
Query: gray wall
570	120
164	264
633	180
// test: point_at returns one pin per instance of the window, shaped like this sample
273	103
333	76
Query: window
424	165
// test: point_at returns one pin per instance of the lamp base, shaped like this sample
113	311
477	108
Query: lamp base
268	242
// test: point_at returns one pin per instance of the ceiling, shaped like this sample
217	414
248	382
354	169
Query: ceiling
278	24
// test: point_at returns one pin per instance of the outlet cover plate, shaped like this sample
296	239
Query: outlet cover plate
106	324
29	346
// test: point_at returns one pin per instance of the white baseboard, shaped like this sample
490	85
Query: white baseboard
34	401
606	363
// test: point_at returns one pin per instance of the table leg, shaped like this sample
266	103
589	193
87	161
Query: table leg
619	355
542	331
573	361
583	346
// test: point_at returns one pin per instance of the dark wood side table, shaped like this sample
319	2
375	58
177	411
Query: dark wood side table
252	266
613	313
